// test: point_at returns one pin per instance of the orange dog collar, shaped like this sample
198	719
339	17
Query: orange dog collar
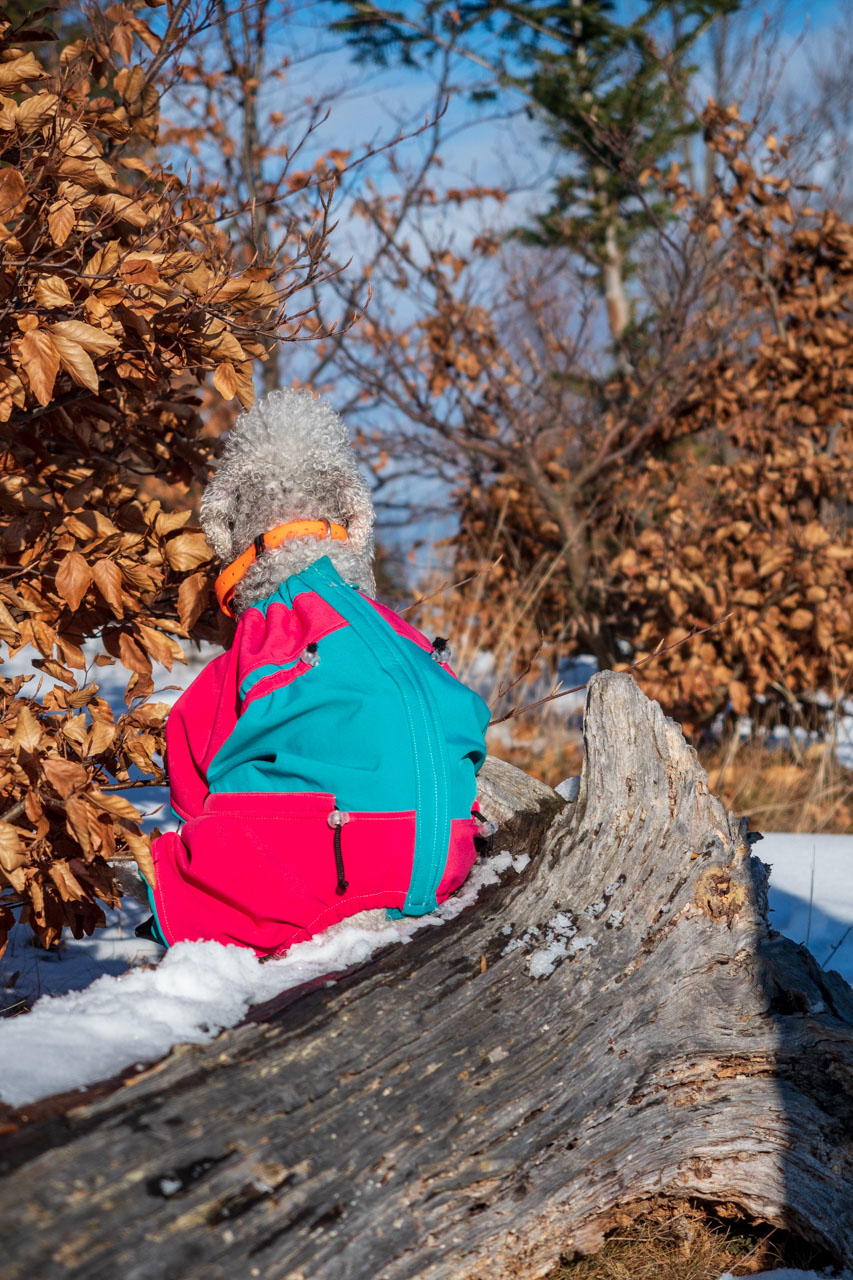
230	578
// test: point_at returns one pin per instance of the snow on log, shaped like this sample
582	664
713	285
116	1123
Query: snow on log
618	1022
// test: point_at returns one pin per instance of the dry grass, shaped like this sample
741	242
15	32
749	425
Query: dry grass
777	789
683	1242
543	748
782	789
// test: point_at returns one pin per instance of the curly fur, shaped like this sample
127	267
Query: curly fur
289	458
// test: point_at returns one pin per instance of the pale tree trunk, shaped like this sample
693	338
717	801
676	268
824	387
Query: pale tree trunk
247	66
442	1112
618	309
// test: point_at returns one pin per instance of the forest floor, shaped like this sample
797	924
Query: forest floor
671	1241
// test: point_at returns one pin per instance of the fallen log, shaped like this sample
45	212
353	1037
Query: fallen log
616	1023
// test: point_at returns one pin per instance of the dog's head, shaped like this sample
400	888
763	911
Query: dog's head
288	458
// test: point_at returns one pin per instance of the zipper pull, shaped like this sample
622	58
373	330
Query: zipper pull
337	821
441	650
485	838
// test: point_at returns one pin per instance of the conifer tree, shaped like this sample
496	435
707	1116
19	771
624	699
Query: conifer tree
610	90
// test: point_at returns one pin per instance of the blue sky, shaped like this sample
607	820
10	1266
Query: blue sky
374	101
369	104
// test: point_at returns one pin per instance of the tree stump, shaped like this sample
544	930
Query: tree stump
443	1111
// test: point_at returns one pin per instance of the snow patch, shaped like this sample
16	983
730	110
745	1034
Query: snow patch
568	789
199	988
819	914
561	943
543	963
787	1273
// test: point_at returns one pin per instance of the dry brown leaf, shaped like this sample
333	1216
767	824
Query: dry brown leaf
101	737
33	111
91	523
20	71
107	577
12	852
161	647
815	534
12	393
65	776
225	380
13	190
73	577
77	821
124	207
140	847
28	731
167	521
96	341
111	802
188	551
71	653
90	172
67	884
130	82
132	656
76	361
55	670
40	363
61	221
192	598
52	291
76	729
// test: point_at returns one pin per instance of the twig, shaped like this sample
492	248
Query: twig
843	939
502	692
634	666
811	900
453	587
15	810
142	782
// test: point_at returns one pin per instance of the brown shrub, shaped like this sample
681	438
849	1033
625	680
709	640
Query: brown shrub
119	296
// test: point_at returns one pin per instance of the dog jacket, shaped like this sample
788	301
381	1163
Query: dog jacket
325	765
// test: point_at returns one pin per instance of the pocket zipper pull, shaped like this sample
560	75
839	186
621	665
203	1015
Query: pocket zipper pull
337	821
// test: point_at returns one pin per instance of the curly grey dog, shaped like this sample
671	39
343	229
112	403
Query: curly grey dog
325	766
289	458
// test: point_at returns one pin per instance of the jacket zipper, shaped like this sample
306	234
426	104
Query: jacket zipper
429	752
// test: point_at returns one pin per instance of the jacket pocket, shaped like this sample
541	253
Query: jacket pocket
260	870
275	680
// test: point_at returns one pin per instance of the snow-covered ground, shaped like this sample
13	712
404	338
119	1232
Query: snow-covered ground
107	1003
811	894
787	1274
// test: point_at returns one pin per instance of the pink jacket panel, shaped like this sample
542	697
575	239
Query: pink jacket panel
461	856
286	864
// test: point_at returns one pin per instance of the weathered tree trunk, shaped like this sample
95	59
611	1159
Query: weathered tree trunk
443	1113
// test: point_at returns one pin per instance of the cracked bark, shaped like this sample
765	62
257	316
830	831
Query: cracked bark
441	1113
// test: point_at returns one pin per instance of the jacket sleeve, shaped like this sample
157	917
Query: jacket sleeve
198	724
